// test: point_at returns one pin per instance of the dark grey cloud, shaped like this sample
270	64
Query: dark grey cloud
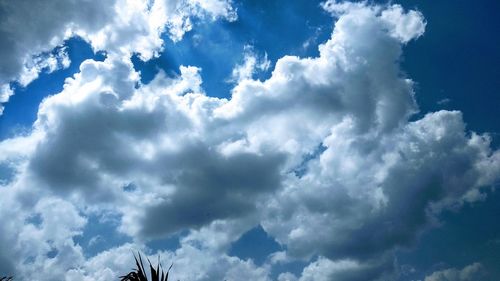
211	187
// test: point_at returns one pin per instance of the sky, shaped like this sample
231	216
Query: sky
250	139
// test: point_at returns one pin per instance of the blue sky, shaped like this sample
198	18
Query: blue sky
263	140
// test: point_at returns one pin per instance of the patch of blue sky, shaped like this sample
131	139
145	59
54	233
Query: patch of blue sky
100	234
455	66
470	235
302	168
7	173
456	61
52	253
257	245
21	110
35	220
295	267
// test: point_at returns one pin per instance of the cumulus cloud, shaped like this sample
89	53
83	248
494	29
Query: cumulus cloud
322	154
31	30
471	272
324	269
39	239
190	263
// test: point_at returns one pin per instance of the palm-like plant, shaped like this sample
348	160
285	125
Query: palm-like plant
6	278
139	274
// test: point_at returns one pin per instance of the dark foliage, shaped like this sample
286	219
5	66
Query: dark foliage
139	274
6	278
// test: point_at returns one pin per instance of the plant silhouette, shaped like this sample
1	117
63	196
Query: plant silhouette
139	274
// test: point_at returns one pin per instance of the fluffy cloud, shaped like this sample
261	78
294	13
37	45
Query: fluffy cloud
348	270
471	272
322	154
29	30
39	239
190	263
364	196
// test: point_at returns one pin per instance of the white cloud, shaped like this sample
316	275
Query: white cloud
39	239
401	25
325	270
5	93
471	272
322	154
119	27
214	8
189	263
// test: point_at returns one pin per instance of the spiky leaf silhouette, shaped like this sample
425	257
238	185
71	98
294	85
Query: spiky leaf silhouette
139	274
6	278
